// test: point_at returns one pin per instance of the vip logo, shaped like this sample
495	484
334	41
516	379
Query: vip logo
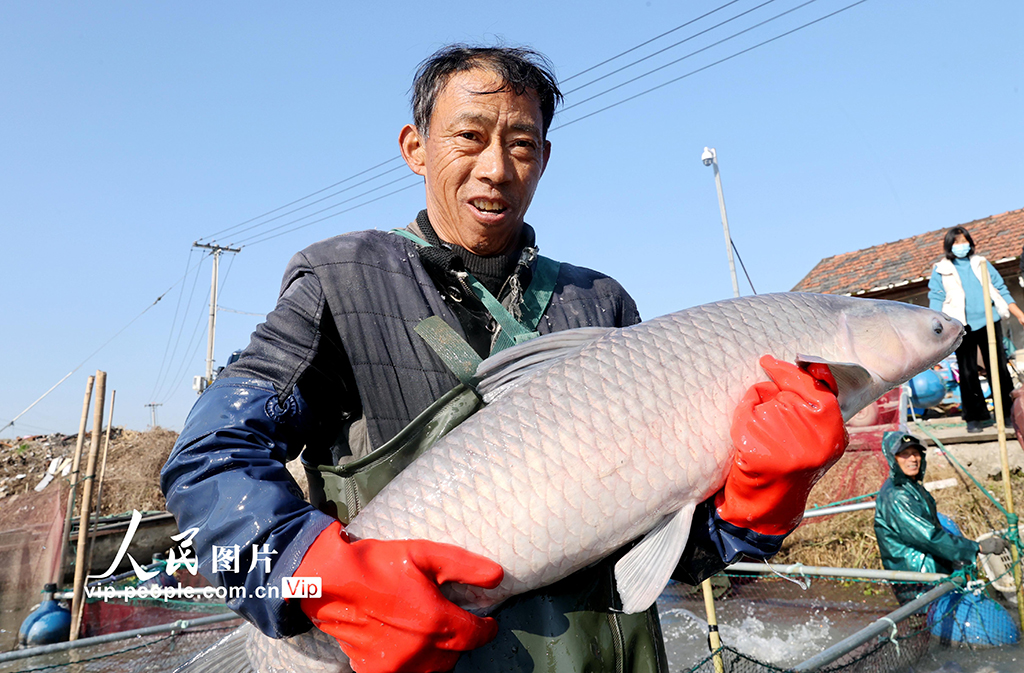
301	587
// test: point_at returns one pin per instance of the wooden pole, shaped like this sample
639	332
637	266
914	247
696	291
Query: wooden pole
99	482
713	638
66	533
77	599
996	385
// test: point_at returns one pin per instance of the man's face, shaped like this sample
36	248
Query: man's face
909	461
482	160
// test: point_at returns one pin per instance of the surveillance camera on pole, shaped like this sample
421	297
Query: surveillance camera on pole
710	158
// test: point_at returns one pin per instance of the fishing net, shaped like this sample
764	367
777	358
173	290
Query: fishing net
164	652
30	530
863	466
111	614
771	623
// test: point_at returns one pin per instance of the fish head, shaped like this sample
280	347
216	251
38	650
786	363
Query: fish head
894	342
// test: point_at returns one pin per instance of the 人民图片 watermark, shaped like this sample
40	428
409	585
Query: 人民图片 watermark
290	587
223	559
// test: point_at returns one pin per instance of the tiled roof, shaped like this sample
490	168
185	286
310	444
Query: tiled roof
910	260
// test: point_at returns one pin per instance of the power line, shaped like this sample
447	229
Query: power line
184	318
313	203
358	205
270	212
255	225
262	234
88	357
671	46
262	238
692	53
195	340
187	357
657	37
710	65
174	320
250	241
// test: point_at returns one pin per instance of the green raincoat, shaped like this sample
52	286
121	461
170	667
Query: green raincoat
907	526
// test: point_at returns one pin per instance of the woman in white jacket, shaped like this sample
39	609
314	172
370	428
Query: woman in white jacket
955	289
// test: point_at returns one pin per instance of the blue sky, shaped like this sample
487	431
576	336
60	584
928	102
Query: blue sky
129	130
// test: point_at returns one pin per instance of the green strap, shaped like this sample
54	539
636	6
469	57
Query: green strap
538	295
450	347
512	331
405	233
535	302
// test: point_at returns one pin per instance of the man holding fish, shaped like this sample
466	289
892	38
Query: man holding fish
346	361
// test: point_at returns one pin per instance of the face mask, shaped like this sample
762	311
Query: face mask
961	249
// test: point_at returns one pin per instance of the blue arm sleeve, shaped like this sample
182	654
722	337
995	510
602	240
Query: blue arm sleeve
226	478
714	543
998	283
936	292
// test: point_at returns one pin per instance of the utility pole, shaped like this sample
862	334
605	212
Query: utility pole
199	385
152	410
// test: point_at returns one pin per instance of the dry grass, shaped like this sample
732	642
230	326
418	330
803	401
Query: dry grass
132	479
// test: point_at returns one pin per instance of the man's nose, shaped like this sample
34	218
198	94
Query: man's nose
493	163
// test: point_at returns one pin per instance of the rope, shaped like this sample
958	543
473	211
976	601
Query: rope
843	502
951	457
99	656
892	634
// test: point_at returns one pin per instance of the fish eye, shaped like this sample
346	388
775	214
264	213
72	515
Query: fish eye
936	326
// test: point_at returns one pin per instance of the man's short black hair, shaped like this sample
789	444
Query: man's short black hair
947	243
521	69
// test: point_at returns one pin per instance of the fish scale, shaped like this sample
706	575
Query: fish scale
591	450
641	410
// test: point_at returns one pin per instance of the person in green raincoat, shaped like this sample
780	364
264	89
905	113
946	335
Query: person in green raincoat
907	526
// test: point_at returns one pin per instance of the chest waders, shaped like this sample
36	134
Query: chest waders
575	625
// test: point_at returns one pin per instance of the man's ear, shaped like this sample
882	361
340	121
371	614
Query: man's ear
547	156
413	149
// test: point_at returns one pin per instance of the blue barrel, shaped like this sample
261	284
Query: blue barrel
927	389
974	620
47	624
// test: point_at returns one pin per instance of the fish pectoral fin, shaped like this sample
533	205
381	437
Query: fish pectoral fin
641	575
854	382
505	370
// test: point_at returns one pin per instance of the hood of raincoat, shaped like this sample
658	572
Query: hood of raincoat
907	526
892	443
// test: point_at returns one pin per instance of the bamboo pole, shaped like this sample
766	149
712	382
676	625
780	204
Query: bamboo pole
713	638
99	482
81	570
995	384
66	533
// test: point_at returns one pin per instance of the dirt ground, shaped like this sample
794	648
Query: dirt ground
132	476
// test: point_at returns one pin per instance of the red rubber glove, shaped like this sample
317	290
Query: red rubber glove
380	599
787	433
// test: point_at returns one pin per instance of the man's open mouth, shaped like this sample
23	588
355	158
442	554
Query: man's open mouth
487	206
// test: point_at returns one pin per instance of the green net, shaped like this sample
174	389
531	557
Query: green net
770	623
163	652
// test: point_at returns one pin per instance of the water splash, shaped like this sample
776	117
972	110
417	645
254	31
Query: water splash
768	641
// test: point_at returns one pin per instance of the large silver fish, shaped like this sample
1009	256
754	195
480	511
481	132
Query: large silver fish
596	437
